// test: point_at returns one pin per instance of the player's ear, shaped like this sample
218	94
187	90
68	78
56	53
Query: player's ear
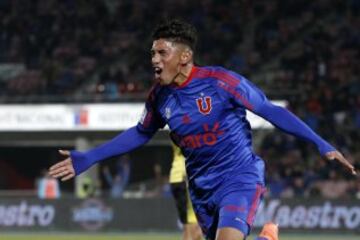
186	56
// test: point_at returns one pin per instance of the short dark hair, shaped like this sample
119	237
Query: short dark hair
176	30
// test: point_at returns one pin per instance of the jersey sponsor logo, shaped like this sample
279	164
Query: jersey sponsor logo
204	105
208	138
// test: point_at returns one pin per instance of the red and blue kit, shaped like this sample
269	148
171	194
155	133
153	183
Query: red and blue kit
207	119
208	122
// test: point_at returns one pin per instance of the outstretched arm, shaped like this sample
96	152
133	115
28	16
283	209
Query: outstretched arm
247	95
77	162
288	122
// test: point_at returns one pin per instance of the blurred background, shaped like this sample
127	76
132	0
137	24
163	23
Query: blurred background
74	73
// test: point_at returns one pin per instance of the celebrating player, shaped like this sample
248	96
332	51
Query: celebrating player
205	109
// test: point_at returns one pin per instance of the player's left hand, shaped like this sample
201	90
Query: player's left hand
336	155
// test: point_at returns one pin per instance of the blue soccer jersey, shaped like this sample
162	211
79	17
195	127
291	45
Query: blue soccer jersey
207	119
208	122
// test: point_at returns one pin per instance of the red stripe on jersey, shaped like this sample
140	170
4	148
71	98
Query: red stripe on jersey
202	73
218	74
149	105
148	119
151	93
229	83
227	78
236	94
190	77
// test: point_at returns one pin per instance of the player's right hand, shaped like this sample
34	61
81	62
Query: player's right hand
64	169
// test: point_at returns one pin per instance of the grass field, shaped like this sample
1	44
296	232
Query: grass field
153	236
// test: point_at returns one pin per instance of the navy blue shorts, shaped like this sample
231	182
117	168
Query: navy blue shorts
234	208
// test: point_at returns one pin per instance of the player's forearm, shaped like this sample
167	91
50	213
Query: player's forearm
123	143
288	122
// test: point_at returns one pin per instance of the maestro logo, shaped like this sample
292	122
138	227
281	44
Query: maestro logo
92	214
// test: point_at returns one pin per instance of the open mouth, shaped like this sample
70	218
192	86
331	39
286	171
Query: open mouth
157	72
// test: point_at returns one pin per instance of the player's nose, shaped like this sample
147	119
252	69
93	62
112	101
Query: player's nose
155	59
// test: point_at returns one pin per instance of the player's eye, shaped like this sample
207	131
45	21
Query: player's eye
162	52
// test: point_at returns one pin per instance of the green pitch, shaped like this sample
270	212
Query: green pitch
152	236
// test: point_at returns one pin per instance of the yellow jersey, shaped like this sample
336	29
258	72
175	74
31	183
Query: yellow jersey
177	172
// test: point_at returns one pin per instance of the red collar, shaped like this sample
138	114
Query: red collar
194	69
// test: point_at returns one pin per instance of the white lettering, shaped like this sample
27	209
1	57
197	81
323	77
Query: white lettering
265	214
326	216
313	217
352	219
10	216
22	220
339	213
46	215
26	215
298	216
283	216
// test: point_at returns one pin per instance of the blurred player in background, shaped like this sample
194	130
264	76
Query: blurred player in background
47	187
120	179
179	189
205	109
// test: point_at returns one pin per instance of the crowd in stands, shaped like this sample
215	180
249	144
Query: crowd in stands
101	49
322	72
103	46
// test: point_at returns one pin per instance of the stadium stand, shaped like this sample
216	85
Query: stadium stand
97	51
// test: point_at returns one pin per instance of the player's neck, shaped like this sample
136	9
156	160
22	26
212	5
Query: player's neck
184	74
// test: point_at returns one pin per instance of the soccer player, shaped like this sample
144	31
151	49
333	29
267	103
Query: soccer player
178	183
204	108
